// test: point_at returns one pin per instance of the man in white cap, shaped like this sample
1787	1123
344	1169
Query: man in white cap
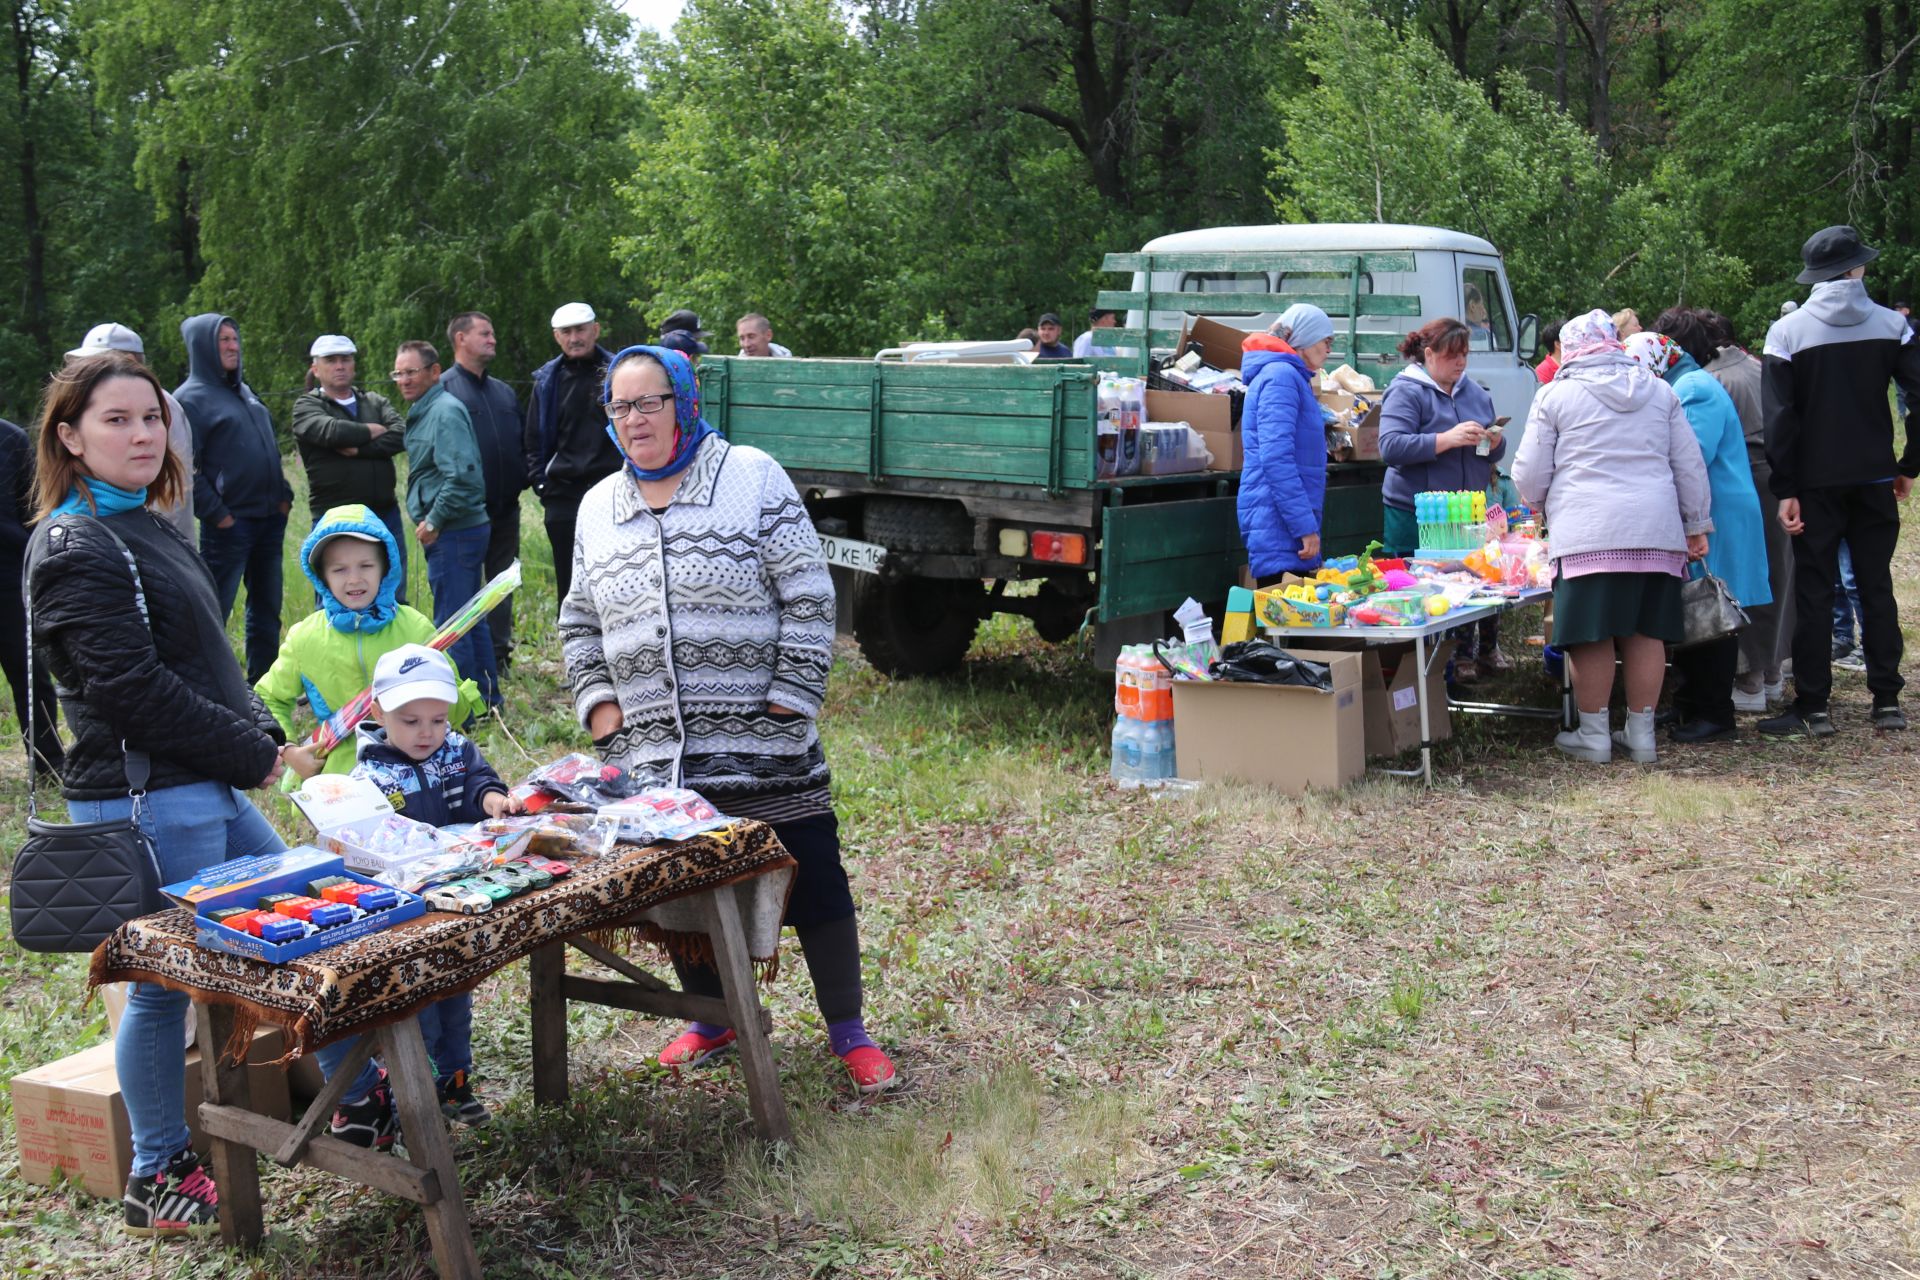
117	337
348	438
568	448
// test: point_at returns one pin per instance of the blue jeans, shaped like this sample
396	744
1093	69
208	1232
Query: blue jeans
456	568
1846	600
193	826
250	549
446	1026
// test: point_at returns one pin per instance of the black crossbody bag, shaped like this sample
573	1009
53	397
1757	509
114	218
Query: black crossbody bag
76	882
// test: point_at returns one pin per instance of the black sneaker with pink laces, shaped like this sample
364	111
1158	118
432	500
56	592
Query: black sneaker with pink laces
180	1200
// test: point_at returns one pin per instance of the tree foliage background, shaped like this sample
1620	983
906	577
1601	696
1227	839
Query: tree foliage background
871	172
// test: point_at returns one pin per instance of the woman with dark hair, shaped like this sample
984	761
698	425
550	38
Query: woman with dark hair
698	634
1704	699
127	620
1764	643
1433	427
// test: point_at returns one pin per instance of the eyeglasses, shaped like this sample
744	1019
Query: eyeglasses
402	374
618	409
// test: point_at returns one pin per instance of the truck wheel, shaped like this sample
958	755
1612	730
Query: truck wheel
914	627
936	525
1060	611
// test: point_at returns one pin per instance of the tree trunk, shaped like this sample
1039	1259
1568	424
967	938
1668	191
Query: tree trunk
1560	54
1600	75
186	225
1900	149
33	232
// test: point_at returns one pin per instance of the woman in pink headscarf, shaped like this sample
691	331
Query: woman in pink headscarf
1609	455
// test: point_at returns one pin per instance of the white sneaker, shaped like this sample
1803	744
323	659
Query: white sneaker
1589	742
1755	701
1776	691
1637	737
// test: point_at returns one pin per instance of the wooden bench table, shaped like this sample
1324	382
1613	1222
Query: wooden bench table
729	885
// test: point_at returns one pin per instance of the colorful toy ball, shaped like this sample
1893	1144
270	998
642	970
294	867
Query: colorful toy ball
1399	579
1437	606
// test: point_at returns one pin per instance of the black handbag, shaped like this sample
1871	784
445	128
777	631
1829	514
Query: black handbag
74	883
1708	611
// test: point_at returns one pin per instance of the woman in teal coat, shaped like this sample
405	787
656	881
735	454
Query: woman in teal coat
1737	555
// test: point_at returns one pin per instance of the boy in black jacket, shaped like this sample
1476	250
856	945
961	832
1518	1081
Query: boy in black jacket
433	775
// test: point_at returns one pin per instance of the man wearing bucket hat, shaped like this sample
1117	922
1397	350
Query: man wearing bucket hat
117	337
568	451
348	438
1835	477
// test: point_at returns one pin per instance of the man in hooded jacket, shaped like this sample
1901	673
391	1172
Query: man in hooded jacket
567	446
240	492
1829	434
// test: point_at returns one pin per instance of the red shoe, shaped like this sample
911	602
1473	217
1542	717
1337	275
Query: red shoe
692	1048
872	1070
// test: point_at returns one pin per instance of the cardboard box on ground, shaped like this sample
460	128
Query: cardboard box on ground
1392	706
71	1120
1289	737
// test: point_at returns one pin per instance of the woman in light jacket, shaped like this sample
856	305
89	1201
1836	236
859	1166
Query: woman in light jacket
1283	473
1611	459
1704	700
1432	423
698	634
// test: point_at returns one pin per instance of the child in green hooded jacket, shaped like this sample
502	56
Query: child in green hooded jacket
329	655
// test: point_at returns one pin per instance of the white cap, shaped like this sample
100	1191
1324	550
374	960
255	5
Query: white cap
332	344
410	672
109	337
571	314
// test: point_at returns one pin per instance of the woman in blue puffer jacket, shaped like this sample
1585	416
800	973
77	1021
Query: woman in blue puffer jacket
1283	473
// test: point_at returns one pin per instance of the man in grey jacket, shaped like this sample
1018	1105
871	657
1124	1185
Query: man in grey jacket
1830	444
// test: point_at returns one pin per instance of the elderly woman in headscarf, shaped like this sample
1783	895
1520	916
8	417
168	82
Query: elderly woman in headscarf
1609	455
1283	434
698	634
1704	700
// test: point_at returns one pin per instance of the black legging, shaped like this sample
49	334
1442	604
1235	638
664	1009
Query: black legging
820	909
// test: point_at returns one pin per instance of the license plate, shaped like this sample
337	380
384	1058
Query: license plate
849	553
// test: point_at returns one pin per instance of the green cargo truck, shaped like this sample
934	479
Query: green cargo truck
937	487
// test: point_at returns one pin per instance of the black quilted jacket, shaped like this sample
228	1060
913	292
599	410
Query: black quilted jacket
176	693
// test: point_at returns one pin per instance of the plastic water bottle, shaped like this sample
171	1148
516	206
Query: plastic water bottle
1164	756
1128	742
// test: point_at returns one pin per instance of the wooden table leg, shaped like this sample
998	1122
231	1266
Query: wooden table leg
235	1170
425	1133
743	1002
546	972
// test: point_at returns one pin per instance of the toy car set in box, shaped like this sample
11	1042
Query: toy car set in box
282	906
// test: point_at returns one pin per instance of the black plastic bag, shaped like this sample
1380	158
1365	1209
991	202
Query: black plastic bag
1260	662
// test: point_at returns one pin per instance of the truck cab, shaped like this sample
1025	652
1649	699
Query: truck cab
1379	281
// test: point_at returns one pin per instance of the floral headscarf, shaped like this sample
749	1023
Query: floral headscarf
1654	352
690	429
1591	334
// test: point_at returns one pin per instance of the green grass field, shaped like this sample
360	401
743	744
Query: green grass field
1546	1020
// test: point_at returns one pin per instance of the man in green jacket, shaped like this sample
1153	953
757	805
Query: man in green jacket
348	439
447	499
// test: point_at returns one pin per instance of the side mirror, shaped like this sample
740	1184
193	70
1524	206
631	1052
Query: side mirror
1529	337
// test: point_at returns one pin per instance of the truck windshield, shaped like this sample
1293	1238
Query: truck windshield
1485	310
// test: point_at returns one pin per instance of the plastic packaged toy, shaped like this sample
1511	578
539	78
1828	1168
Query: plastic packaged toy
575	779
664	813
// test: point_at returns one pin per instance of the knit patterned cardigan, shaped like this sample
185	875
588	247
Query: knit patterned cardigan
693	620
